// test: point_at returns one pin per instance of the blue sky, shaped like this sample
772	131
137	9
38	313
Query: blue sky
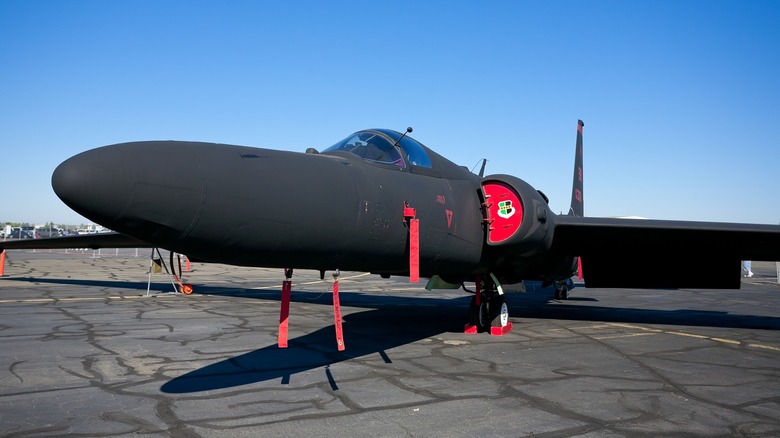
680	99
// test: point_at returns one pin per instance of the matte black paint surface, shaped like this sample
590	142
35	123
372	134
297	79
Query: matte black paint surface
259	207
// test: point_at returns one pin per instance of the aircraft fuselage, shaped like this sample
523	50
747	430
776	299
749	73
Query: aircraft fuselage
260	207
325	211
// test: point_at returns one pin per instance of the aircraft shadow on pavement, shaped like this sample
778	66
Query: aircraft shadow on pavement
397	321
367	333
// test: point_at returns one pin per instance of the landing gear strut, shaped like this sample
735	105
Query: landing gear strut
562	288
561	292
488	311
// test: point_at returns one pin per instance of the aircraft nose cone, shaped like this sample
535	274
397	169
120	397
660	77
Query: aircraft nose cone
91	183
148	190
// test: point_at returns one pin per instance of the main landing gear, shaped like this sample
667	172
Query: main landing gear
562	288
488	311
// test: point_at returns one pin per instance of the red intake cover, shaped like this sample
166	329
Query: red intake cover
504	211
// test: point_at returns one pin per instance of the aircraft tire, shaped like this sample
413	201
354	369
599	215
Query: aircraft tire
478	315
499	311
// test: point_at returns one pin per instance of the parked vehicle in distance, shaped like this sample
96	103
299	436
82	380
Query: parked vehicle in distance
19	233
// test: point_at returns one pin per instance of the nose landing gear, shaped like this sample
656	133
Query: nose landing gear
488	311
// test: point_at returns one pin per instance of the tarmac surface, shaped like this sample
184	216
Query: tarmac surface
86	353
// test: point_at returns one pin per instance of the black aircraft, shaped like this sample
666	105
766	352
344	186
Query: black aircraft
381	202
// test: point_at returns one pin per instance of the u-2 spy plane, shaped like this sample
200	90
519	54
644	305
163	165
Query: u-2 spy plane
379	201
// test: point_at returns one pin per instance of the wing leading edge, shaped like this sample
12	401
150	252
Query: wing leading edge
92	241
638	253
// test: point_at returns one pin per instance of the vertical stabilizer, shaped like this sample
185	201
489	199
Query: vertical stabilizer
577	207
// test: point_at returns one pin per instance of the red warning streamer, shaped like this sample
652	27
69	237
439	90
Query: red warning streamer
410	215
337	317
414	250
285	313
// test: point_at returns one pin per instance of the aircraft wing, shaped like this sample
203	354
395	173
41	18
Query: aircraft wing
93	241
643	253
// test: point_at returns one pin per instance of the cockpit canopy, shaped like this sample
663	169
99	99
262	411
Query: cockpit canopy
379	146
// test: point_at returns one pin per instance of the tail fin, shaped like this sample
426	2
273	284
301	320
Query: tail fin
577	207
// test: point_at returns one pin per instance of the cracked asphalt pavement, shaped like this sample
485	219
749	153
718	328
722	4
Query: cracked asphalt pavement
85	352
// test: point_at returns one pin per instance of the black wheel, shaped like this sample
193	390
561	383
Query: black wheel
479	315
